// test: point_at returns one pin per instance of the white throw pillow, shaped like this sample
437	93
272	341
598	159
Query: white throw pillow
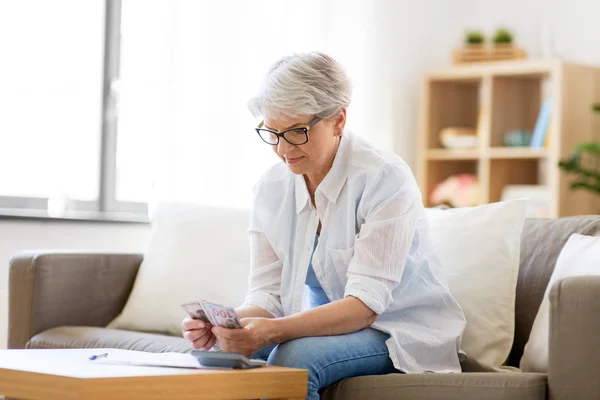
579	256
195	253
479	248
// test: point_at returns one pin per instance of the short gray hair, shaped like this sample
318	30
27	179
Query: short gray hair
303	84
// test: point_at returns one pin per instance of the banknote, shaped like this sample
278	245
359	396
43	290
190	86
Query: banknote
215	314
212	313
196	311
221	315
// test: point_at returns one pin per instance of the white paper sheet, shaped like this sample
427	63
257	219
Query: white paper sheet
141	358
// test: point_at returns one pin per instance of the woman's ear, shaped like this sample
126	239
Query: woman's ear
340	122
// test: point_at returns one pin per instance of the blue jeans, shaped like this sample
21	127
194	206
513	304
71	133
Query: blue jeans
329	359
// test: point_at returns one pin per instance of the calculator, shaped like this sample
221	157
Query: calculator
222	359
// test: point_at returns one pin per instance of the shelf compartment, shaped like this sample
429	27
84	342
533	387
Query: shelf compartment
512	171
452	104
516	103
518	153
439	170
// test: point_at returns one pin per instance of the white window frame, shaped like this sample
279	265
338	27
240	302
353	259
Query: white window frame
106	207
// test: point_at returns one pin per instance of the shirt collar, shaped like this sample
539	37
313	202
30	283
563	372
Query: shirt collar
301	193
334	180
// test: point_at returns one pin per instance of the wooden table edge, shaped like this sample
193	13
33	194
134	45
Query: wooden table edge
283	383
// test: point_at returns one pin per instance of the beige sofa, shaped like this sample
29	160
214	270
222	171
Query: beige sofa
64	300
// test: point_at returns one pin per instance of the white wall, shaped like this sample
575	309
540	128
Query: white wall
16	236
574	25
408	37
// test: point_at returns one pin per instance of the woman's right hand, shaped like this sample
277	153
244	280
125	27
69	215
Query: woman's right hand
198	333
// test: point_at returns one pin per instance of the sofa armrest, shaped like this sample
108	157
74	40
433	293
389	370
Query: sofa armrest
47	290
574	351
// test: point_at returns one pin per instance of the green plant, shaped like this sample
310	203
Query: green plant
503	36
474	37
584	162
588	176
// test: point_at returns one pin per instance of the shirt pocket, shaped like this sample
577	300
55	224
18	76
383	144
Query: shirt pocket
340	259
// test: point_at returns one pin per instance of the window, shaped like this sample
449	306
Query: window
52	155
51	88
114	104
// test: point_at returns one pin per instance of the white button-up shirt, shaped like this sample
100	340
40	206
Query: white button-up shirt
374	245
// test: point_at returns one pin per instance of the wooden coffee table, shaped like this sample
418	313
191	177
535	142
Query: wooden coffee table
68	374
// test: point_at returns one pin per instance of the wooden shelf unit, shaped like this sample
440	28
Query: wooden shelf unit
517	152
499	97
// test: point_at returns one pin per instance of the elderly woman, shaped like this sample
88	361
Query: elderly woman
345	220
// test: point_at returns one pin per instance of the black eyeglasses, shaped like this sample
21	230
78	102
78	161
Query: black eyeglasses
295	136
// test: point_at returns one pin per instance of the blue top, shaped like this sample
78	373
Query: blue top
316	294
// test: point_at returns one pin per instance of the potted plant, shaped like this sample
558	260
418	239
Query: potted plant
584	164
474	49
474	38
503	37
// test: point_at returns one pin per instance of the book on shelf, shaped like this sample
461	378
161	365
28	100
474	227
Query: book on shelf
548	133
542	124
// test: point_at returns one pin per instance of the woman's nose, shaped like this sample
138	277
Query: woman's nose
284	147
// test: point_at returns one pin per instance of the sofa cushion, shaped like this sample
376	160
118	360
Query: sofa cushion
579	257
196	253
478	248
465	386
72	337
542	240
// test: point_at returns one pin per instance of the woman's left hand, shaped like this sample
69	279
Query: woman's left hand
255	335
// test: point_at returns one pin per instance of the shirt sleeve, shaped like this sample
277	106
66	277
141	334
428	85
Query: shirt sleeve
265	272
392	206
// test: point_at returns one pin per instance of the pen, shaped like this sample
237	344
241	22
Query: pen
98	356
